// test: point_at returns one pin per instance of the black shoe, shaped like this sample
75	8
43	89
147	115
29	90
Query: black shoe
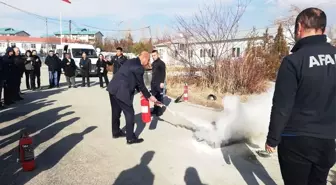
9	103
69	87
119	134
74	86
135	141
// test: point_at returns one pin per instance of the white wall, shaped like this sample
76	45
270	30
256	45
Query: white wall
27	46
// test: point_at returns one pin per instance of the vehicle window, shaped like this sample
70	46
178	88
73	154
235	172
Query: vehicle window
77	53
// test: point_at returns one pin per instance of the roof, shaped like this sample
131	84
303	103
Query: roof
51	40
10	31
78	31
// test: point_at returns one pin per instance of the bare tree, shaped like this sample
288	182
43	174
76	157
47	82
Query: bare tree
288	23
204	38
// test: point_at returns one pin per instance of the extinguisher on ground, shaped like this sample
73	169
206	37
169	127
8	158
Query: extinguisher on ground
185	94
145	110
26	152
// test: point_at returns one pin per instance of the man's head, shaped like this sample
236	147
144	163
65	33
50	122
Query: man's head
119	51
17	51
34	52
144	58
84	55
10	51
155	55
67	55
311	21
51	53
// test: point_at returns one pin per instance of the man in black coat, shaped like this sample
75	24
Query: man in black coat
52	61
69	67
122	90
37	69
18	70
85	66
158	79
303	117
118	60
9	77
2	79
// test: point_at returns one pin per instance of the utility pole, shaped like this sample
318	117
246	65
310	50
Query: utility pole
47	36
70	30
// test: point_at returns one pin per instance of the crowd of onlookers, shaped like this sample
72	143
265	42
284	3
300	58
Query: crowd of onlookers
14	65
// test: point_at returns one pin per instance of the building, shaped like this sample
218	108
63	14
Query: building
13	32
41	45
200	51
82	34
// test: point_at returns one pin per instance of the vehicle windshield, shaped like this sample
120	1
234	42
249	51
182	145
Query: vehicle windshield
90	53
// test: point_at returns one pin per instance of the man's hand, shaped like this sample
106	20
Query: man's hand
269	149
161	85
153	99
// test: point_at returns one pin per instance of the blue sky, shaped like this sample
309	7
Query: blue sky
159	14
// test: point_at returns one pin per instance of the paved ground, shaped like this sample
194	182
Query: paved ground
72	134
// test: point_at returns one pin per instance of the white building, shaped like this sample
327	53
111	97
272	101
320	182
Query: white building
201	52
30	43
82	34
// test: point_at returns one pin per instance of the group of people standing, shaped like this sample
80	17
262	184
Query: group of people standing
12	67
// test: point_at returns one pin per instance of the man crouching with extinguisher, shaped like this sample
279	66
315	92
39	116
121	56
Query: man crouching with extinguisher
122	90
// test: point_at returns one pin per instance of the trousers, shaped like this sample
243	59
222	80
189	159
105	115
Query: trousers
29	74
71	81
305	160
101	76
117	106
53	78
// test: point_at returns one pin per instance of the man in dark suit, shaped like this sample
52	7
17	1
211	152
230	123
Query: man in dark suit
122	89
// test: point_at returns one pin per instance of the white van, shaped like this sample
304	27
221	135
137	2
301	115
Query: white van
76	51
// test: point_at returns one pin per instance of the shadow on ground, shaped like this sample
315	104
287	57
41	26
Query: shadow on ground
191	177
247	164
139	174
49	157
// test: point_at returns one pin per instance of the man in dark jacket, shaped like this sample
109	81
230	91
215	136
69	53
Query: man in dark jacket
19	68
37	69
118	60
52	61
69	67
2	79
59	72
9	77
85	66
303	119
121	91
158	79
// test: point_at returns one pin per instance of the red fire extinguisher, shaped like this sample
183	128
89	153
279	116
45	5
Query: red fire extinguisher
145	110
26	152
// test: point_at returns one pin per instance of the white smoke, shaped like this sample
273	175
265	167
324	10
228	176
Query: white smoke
239	121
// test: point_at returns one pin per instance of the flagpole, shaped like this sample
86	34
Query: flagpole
61	27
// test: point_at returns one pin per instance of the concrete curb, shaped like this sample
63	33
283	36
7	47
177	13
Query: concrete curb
198	106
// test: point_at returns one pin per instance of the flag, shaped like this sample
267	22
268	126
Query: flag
67	1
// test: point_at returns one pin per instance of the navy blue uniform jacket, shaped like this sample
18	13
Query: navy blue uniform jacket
128	79
304	102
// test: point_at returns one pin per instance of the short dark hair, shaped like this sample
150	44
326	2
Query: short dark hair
51	51
312	18
155	51
119	48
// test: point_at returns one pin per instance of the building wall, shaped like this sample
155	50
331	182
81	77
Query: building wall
27	46
196	55
85	38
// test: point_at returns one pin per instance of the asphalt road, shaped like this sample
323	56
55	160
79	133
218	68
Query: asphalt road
71	129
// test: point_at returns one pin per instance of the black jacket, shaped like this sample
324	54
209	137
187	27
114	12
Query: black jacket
37	63
19	65
29	63
53	63
305	92
102	64
69	67
158	72
128	79
117	62
85	65
2	71
8	65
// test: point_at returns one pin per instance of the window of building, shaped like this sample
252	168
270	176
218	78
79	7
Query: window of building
43	46
235	52
33	46
190	53
201	53
176	53
2	45
12	44
182	47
